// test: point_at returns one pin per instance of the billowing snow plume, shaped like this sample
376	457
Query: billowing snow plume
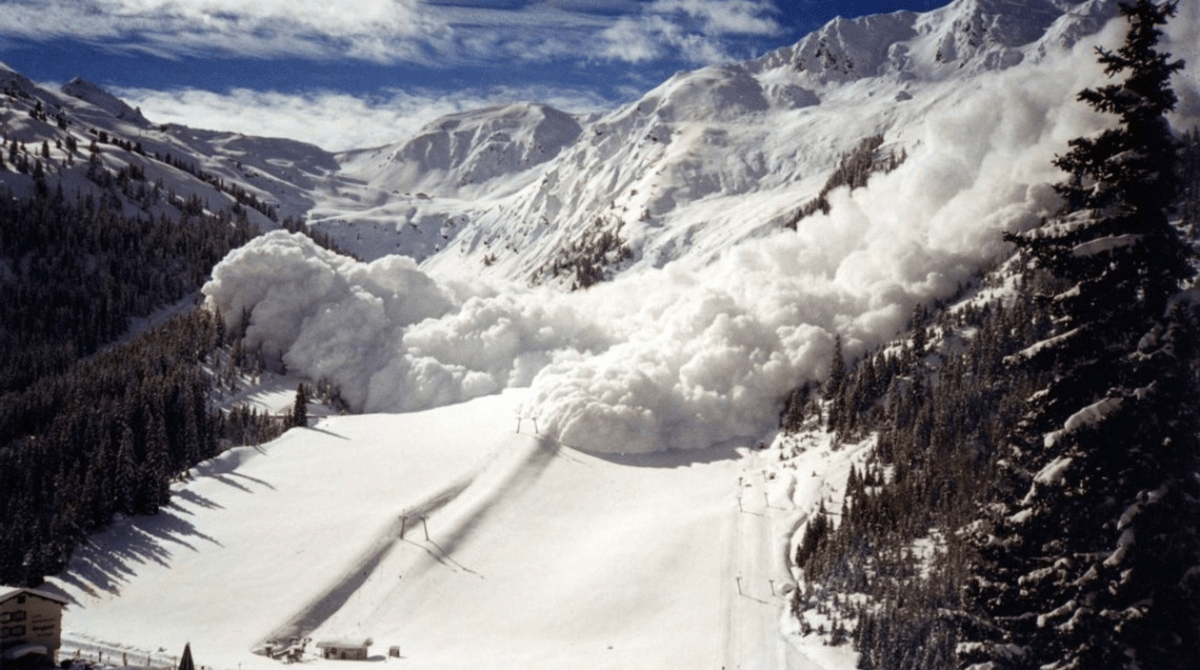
680	357
389	334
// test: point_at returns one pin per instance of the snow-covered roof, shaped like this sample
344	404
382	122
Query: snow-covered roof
344	643
13	653
7	592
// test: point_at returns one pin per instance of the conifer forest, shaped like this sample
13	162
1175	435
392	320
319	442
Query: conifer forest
1067	548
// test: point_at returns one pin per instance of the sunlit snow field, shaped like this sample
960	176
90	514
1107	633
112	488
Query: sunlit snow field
537	555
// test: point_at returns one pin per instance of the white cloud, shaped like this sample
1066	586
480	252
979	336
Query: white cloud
696	30
388	31
333	120
635	41
746	17
1183	33
264	28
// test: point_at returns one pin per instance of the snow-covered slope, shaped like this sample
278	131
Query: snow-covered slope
466	539
98	97
708	158
268	175
471	149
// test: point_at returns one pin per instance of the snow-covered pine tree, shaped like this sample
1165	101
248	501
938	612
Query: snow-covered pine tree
1089	561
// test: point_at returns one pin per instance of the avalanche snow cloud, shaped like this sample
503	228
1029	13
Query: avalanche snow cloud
684	356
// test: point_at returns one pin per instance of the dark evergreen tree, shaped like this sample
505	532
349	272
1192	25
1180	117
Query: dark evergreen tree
1086	553
837	370
791	417
126	484
835	384
299	417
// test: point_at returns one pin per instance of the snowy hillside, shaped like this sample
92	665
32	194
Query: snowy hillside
265	176
98	97
468	149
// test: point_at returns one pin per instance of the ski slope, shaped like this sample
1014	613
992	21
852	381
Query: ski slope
465	543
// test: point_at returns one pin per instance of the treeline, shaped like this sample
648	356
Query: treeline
854	168
147	195
591	258
74	273
939	405
107	437
1033	496
243	197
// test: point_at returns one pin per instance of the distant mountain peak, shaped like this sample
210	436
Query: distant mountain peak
470	148
966	36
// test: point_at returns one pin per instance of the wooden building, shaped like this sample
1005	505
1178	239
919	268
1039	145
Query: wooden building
345	649
30	625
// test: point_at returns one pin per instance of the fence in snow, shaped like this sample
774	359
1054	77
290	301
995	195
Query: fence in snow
113	656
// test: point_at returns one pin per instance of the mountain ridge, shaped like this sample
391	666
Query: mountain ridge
701	162
668	151
705	159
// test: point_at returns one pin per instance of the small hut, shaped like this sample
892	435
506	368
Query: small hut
344	648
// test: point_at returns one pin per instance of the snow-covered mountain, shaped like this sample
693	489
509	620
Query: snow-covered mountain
687	195
644	469
220	168
472	148
708	158
966	37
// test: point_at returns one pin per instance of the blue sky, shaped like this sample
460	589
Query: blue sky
367	72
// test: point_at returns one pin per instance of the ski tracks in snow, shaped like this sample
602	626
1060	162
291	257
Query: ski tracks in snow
513	466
